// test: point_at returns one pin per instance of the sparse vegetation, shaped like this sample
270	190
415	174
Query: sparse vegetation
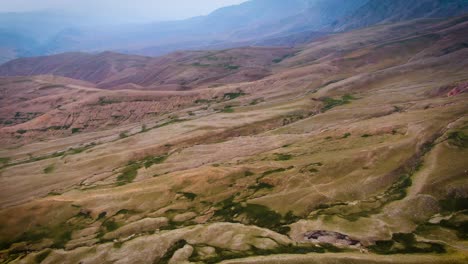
150	161
458	138
75	130
405	244
189	195
261	185
170	252
233	95
128	174
266	173
330	103
49	169
110	225
105	101
283	157
231	67
228	210
4	160
227	109
42	255
123	135
280	59
172	121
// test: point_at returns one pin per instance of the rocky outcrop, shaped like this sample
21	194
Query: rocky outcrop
330	237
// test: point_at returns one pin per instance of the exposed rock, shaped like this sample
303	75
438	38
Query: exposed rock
182	255
330	237
143	225
184	217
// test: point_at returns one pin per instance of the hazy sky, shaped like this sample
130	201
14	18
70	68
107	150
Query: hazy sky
122	10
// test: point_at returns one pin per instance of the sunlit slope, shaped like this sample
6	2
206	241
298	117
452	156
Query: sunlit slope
356	155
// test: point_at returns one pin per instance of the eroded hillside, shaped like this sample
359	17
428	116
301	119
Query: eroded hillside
351	150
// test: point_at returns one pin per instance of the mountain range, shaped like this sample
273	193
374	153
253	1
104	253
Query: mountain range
255	22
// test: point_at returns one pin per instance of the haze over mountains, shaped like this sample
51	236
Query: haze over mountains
257	22
344	142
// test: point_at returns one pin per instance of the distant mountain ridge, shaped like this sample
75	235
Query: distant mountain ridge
255	22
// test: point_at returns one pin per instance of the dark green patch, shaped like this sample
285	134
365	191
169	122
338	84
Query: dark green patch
171	250
110	225
228	210
128	174
125	212
42	255
276	171
330	103
105	101
75	130
232	96
102	215
458	138
346	135
224	254
4	160
150	161
454	204
283	157
49	169
123	135
405	244
231	67
172	121
59	234
248	173
280	59
189	195
261	185
227	109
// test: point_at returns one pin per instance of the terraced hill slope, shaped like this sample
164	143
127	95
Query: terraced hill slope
353	151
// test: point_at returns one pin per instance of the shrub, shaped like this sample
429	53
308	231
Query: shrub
231	67
110	225
128	174
330	103
405	244
123	135
75	130
189	195
261	185
228	109
232	96
49	169
283	157
150	161
458	138
21	131
248	173
4	160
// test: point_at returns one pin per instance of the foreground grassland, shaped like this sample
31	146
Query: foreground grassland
357	156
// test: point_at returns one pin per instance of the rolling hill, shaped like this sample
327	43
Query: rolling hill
349	149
